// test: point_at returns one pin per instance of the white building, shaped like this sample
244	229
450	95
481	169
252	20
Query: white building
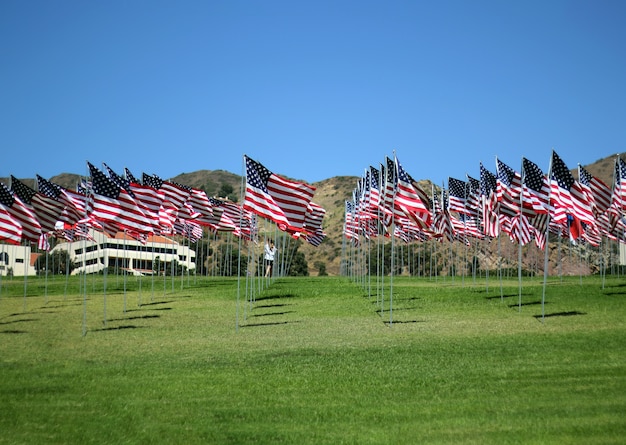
17	260
126	253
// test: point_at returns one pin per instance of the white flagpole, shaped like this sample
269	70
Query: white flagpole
546	247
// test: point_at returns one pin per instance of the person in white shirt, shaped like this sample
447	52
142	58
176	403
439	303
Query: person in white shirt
270	252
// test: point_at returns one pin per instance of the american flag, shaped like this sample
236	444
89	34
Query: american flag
31	229
10	228
521	231
314	218
188	229
200	204
488	181
619	191
174	193
113	204
120	181
567	196
150	201
488	191
407	199
219	220
599	192
536	192
275	198
509	186
46	210
374	183
351	226
442	223
43	243
73	207
315	239
473	202
457	190
129	176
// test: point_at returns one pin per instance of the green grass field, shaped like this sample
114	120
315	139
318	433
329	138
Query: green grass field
312	361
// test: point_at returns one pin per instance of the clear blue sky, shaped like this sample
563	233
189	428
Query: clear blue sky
309	89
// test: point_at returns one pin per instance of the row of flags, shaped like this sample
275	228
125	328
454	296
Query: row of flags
110	202
526	205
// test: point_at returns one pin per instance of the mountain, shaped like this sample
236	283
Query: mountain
331	194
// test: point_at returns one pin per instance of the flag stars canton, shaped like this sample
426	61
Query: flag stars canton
24	192
152	181
457	187
620	170
119	180
374	178
505	173
561	173
102	185
257	175
585	177
47	188
533	176
488	181
6	198
215	202
403	175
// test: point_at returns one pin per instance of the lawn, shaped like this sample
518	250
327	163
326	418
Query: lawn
312	360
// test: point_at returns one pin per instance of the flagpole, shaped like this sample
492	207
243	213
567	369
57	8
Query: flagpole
546	247
242	195
519	239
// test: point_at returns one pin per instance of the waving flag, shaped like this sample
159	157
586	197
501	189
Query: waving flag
46	210
599	192
488	192
408	198
31	229
567	195
536	191
113	204
10	228
457	191
278	199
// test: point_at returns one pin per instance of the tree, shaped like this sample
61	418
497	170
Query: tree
58	263
227	191
321	268
299	267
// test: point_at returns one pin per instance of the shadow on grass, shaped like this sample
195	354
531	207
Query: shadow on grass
59	306
407	308
616	292
18	321
119	328
276	323
272	313
13	331
150	309
498	297
560	314
271	305
273	297
391	323
157	302
138	317
530	303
